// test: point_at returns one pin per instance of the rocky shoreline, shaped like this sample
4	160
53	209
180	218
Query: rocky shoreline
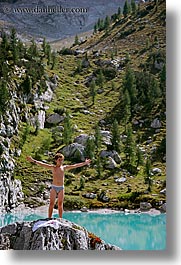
43	210
50	234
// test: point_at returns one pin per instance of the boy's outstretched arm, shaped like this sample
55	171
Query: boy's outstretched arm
87	162
39	163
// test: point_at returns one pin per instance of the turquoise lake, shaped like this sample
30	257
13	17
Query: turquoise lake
128	231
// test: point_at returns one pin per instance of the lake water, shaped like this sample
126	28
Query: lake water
128	231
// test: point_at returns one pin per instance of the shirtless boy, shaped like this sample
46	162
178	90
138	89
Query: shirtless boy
57	187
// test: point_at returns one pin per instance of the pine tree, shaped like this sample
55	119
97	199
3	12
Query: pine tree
127	59
129	84
147	174
21	49
95	28
27	85
133	6
68	131
99	24
139	157
107	22
82	183
48	53
33	50
4	96
90	148
93	91
76	41
4	47
126	8
100	79
25	134
13	45
116	140
154	89
54	60
5	70
79	67
98	137
163	79
130	146
119	12
127	107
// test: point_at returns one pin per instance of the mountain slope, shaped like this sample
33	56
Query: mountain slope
53	21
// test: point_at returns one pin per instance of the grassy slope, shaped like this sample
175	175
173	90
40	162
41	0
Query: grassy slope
73	95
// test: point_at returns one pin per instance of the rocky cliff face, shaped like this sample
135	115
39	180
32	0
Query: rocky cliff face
10	189
11	194
52	234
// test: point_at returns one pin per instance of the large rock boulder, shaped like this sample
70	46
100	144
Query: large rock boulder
156	123
50	234
82	139
55	118
113	154
74	150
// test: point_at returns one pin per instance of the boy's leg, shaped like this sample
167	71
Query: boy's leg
53	195
60	202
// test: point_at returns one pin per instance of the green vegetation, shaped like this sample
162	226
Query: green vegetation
118	85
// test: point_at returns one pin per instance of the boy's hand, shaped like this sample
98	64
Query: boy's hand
87	161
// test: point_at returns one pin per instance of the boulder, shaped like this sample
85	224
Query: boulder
163	191
113	154
110	163
156	170
50	234
4	242
156	123
120	180
74	150
163	208
145	206
55	118
106	137
82	139
89	195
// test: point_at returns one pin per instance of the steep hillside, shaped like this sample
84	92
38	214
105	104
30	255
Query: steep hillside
109	104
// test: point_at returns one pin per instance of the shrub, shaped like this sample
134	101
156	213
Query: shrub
73	202
67	51
131	196
59	111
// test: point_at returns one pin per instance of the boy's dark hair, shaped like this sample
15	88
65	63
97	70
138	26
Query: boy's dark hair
58	155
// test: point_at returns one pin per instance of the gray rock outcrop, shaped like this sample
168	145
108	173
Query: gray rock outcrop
53	234
113	154
56	19
74	150
55	118
156	123
11	194
10	189
145	206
